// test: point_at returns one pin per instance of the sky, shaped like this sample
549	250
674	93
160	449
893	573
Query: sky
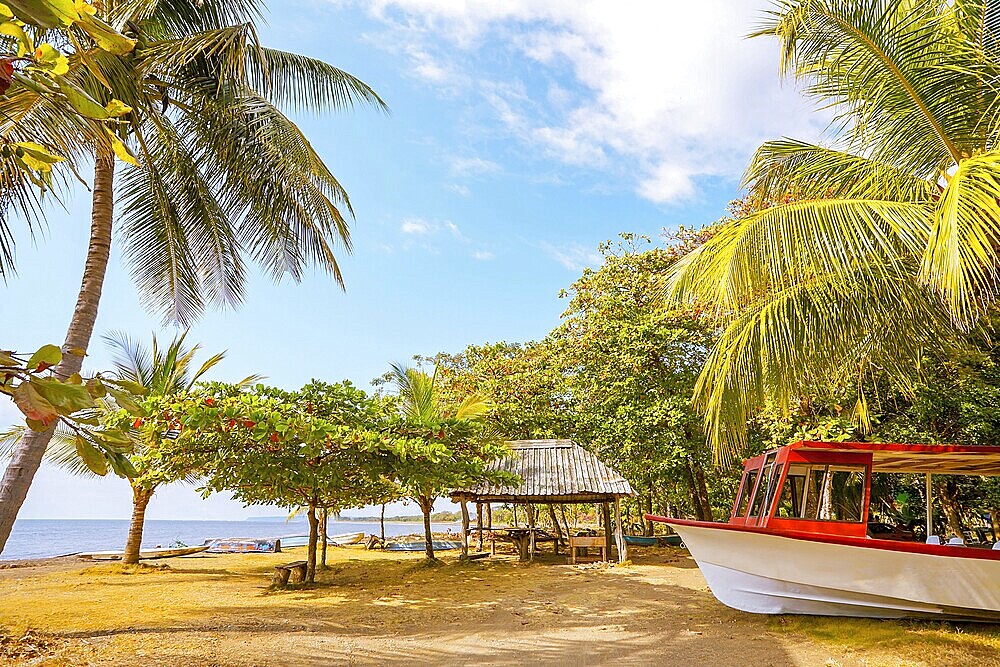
521	135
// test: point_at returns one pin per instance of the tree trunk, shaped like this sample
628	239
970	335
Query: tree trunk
381	524
140	499
608	531
426	505
995	520
27	456
555	524
647	524
950	506
702	492
313	538
479	524
324	515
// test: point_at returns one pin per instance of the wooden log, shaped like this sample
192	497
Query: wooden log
280	577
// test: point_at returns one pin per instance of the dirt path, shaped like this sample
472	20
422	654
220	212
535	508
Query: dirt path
374	609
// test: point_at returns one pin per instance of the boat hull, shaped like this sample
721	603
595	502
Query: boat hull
774	574
145	554
439	545
342	540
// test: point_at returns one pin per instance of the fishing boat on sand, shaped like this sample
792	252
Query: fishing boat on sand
439	545
341	540
243	545
797	539
145	554
641	540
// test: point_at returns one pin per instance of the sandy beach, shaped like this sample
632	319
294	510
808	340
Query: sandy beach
373	608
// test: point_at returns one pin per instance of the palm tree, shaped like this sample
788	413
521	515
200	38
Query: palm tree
158	372
423	407
865	254
216	174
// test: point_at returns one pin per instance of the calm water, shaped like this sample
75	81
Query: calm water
40	538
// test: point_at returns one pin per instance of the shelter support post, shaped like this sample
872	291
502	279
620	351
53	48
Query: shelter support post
530	509
479	524
930	504
465	529
606	515
619	535
489	525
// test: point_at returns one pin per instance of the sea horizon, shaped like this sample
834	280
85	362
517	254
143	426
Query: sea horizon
49	538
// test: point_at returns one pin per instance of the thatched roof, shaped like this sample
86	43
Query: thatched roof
551	471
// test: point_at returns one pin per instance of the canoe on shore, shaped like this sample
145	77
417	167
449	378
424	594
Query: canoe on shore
641	540
439	545
243	545
145	554
341	540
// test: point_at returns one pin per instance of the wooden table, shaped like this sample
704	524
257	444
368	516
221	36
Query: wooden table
587	542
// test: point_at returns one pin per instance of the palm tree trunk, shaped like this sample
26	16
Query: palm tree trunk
426	505
140	499
28	454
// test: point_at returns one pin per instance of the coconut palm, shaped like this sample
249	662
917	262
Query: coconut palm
158	372
214	175
423	407
864	254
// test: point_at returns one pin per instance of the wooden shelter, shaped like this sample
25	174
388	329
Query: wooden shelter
552	472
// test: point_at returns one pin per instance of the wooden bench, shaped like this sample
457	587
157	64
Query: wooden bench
283	573
587	542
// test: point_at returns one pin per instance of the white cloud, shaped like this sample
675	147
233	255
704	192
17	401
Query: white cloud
662	93
573	256
415	226
482	255
460	190
473	166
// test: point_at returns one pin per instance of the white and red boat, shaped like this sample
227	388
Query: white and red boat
797	540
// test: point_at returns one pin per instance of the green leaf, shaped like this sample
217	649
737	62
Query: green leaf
35	156
39	12
106	37
116	108
46	356
65	397
121	150
96	388
80	100
40	412
116	441
25	45
51	59
125	402
123	466
92	457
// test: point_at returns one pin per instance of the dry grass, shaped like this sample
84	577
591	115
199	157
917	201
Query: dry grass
376	608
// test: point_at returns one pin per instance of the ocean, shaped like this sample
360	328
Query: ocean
42	538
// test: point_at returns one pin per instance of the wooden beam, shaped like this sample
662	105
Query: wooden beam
479	524
531	531
606	514
465	530
619	535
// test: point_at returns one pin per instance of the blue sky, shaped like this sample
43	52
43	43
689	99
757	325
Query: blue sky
521	135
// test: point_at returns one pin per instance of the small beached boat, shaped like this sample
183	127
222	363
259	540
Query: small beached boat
798	541
641	540
341	540
243	545
439	545
145	554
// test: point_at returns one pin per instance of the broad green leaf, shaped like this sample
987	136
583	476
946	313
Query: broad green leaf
45	357
35	156
7	360
34	406
130	386
25	45
92	457
125	402
121	150
106	37
116	441
80	100
51	59
123	466
68	398
96	388
37	12
116	108
5	12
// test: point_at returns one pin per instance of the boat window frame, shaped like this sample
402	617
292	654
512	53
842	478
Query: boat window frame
828	468
748	484
767	467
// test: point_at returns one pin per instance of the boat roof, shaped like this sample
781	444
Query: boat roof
914	458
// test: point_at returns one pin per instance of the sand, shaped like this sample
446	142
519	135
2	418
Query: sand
373	608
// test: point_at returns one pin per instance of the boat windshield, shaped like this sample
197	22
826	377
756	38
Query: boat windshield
834	493
748	482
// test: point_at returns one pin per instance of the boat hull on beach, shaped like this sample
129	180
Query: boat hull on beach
243	545
439	545
341	540
145	554
760	572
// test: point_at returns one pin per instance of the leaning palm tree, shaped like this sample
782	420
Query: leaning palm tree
155	371
213	174
864	254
